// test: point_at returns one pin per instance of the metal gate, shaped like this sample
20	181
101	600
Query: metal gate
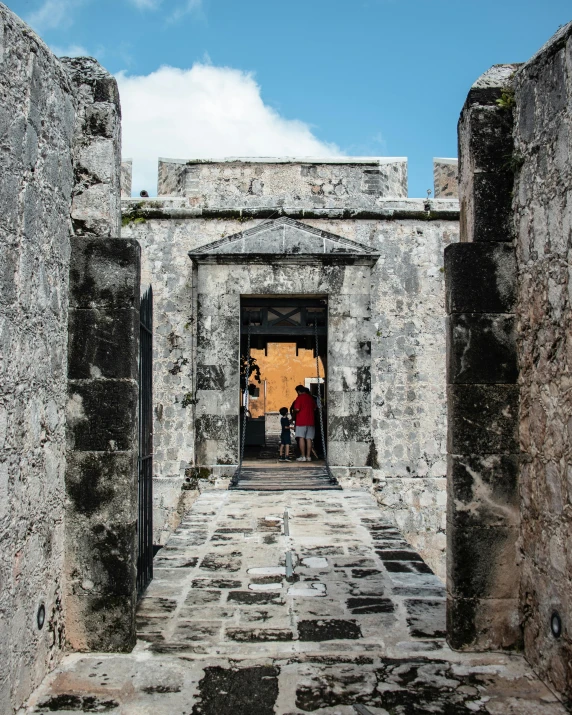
145	516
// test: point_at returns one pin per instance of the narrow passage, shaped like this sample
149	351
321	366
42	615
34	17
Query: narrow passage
289	602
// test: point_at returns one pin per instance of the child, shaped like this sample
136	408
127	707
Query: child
285	439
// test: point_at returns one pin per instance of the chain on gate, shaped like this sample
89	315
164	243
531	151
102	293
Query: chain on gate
245	400
333	480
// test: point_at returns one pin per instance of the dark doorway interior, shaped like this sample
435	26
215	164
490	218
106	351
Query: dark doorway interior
145	512
267	322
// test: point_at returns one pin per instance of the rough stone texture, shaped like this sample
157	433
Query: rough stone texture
543	203
481	278
126	178
358	627
403	299
101	475
486	160
445	178
36	181
96	202
483	400
319	183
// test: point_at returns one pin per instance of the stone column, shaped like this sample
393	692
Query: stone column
103	346
482	475
101	475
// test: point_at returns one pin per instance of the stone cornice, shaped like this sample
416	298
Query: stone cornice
166	208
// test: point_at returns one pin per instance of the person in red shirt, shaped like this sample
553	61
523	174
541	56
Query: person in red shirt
303	408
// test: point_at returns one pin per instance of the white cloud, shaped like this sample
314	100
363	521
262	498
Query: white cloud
185	8
204	112
146	4
52	14
70	51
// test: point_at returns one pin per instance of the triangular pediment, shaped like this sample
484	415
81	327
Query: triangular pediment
283	236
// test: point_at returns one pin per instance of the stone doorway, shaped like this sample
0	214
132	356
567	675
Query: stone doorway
280	259
286	340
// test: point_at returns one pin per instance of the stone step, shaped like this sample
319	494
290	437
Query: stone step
284	479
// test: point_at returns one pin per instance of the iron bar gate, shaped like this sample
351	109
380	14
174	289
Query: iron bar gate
145	516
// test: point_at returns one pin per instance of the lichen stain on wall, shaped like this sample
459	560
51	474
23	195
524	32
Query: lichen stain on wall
282	370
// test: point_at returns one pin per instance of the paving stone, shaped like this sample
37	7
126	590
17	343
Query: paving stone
328	630
347	629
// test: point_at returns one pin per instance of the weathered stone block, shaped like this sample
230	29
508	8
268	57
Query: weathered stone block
445	178
210	377
492	206
490	136
488	87
482	491
126	178
483	419
101	566
351	428
102	484
103	343
482	562
483	624
104	272
481	348
100	415
480	278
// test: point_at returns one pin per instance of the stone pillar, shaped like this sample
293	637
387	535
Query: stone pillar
126	178
445	178
482	475
101	477
103	342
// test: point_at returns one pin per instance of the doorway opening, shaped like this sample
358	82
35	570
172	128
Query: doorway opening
283	344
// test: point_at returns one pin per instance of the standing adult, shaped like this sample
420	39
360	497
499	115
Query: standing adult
303	408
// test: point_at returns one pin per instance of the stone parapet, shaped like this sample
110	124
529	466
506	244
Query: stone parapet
303	182
446	178
96	194
126	178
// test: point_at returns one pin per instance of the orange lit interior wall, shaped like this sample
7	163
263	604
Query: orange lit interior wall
283	370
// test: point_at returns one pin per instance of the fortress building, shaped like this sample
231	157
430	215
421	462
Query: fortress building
436	333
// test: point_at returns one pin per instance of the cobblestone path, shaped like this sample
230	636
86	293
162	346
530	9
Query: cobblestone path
292	602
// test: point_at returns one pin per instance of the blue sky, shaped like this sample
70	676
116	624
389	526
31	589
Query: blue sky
359	77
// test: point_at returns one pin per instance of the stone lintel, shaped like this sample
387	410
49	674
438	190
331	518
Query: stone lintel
328	259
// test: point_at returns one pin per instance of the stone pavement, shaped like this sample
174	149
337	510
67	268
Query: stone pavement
281	603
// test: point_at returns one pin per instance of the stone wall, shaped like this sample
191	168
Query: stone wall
543	223
508	294
60	135
37	115
408	414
